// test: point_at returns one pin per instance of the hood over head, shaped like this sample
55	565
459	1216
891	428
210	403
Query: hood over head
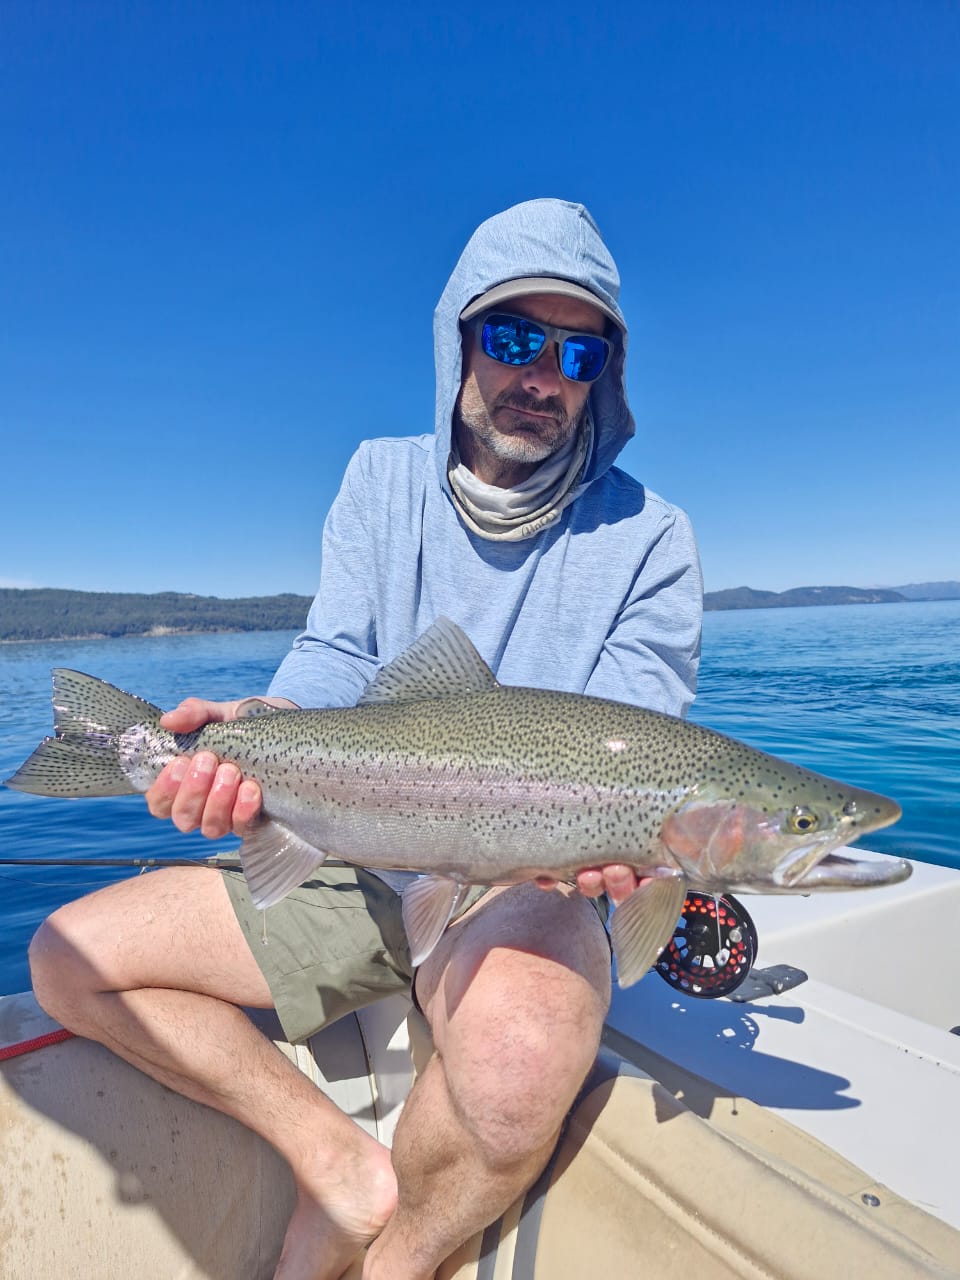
538	239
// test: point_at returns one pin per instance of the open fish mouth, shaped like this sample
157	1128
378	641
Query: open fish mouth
810	869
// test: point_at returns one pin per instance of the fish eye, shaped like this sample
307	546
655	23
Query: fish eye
802	821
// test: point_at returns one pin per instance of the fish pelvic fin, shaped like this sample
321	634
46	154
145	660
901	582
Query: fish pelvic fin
275	861
89	717
429	904
642	925
441	663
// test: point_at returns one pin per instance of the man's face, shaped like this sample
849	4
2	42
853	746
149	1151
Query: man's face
510	417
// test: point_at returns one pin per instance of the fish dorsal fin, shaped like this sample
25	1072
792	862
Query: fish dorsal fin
441	663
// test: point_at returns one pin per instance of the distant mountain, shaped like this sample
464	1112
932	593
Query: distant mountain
53	614
930	591
750	598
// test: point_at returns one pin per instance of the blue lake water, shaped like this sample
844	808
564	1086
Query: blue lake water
868	693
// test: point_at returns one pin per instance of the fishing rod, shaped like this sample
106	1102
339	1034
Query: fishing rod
218	863
223	862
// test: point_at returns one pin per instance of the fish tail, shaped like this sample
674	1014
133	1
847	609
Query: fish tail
72	769
84	757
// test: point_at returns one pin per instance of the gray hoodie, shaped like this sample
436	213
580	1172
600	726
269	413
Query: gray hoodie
606	600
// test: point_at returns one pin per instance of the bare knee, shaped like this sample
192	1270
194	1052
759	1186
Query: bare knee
173	929
513	1079
62	970
41	968
516	1001
68	957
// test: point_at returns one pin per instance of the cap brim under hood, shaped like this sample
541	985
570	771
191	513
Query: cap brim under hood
503	293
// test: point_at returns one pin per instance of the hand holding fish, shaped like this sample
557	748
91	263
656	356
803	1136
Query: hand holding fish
200	791
616	880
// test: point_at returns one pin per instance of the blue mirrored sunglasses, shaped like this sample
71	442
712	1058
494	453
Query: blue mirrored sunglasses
516	340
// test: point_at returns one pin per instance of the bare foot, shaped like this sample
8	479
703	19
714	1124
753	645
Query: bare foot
335	1218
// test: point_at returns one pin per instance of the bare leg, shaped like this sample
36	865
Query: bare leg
515	995
154	968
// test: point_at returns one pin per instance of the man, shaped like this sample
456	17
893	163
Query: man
565	573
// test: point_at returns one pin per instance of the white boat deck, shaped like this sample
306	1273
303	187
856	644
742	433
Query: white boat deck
860	1056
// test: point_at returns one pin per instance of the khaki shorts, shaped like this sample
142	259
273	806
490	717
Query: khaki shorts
332	946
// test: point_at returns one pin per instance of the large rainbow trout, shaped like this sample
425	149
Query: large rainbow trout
440	769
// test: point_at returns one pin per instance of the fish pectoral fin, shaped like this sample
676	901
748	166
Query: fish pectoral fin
428	906
276	860
641	926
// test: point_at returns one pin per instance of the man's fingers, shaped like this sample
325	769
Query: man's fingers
193	713
247	806
620	881
191	798
216	818
164	789
199	791
616	880
590	882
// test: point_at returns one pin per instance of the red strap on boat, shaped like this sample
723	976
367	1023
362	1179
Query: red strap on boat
38	1042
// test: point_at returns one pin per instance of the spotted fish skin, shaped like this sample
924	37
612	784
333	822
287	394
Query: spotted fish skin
443	771
508	784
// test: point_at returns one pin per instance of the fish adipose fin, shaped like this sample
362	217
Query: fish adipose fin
428	907
275	861
441	663
89	717
251	707
642	925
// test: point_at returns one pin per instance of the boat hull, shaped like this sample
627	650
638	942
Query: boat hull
100	1164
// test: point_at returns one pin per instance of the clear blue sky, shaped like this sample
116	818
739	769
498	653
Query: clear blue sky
199	203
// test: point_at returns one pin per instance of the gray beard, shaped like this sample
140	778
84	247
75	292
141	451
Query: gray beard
523	510
523	447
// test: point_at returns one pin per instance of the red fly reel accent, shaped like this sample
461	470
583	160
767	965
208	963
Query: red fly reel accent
712	949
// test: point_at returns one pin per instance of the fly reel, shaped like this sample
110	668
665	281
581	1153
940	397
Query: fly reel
712	948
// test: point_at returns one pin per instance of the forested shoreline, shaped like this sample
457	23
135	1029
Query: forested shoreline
49	613
55	614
